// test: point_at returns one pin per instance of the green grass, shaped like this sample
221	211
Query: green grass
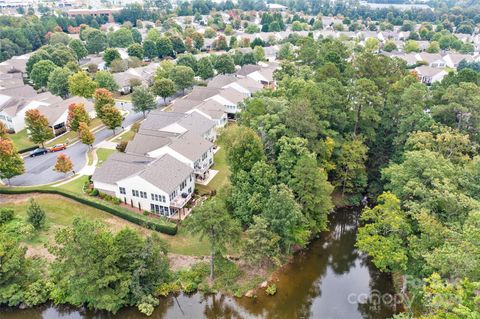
222	178
103	154
60	213
90	157
21	140
127	136
72	136
184	243
76	185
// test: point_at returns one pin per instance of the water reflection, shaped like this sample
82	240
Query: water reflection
325	281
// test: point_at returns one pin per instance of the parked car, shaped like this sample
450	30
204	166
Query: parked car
58	147
38	151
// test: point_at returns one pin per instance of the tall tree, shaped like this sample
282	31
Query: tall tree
164	47
164	88
85	135
111	117
205	68
313	191
79	48
211	220
102	97
183	76
224	64
105	80
58	81
110	55
11	163
36	215
76	115
143	100
64	164
96	41
37	127
261	245
81	84
40	73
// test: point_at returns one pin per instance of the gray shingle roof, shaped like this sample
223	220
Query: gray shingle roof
146	141
247	69
166	173
185	104
119	166
211	107
190	145
221	80
157	120
200	93
232	95
196	123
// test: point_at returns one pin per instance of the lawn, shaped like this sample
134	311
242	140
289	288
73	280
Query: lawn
103	154
72	136
221	179
62	211
127	137
21	140
76	185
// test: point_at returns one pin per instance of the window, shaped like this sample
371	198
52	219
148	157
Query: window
143	194
172	195
158	198
122	190
189	190
135	193
183	184
159	210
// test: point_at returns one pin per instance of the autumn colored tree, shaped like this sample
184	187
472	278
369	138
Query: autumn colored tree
112	118
37	127
85	135
76	115
11	163
64	164
102	97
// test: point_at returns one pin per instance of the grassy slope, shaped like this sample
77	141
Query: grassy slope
103	154
221	179
21	140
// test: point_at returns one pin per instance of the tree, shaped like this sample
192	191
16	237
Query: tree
350	172
198	41
109	55
183	77
285	218
121	38
135	50
411	46
245	148
76	115
205	68
64	164
85	135
58	81
149	49
111	117
105	80
313	192
164	47
40	73
433	47
366	102
384	235
37	127
211	220
177	44
224	64
290	150
79	48
164	88
187	59
143	100
96	41
81	84
389	46
261	245
102	97
11	163
35	215
259	53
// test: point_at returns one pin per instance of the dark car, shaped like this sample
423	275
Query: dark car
38	151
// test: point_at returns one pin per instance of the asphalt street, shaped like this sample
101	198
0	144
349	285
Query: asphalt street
39	169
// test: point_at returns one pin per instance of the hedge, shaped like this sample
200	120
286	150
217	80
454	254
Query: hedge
159	225
28	149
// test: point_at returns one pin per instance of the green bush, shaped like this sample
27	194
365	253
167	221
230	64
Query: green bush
6	215
158	224
271	290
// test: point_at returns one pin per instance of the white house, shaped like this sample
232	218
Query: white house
162	186
429	75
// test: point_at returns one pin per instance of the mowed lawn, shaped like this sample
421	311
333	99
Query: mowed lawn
103	154
21	140
222	178
62	211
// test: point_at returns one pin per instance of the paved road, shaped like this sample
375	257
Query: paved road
39	170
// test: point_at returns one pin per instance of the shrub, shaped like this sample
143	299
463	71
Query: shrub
6	215
135	127
122	146
271	289
94	192
35	215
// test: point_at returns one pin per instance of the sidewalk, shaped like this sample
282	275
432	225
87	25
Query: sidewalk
85	171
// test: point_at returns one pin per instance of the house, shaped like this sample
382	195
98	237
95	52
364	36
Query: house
429	75
124	80
186	147
453	59
15	102
212	110
17	64
57	112
10	80
161	185
433	60
230	99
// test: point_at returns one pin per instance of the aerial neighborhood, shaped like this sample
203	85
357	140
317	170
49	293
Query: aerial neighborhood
189	159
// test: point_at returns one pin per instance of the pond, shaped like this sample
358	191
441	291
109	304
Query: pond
329	280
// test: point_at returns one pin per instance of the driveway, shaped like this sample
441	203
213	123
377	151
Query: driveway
39	169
